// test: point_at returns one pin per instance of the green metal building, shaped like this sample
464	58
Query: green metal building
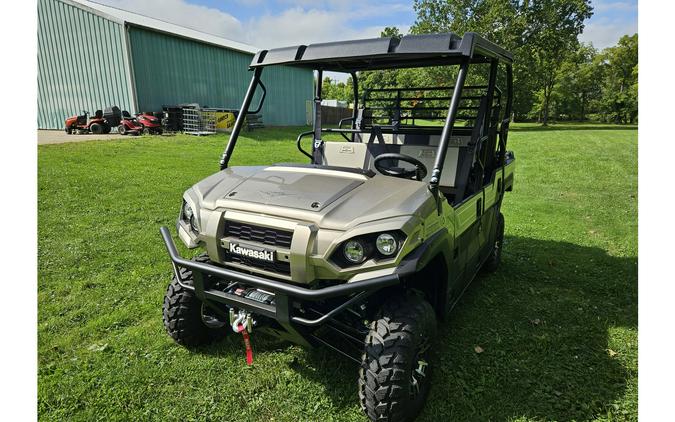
92	56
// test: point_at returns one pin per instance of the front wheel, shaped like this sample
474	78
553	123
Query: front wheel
186	319
395	372
69	130
121	129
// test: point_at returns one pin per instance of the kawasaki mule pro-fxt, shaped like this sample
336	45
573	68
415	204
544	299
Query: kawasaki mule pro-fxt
364	247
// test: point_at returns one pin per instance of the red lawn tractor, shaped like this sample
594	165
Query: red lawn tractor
100	123
128	125
82	124
152	125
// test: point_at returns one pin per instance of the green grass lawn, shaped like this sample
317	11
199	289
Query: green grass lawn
558	322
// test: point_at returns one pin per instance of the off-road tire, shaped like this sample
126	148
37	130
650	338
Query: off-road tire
121	129
96	128
404	327
492	263
182	313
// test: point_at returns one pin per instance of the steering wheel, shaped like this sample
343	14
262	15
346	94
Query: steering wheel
418	174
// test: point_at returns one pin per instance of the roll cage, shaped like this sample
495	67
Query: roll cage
485	109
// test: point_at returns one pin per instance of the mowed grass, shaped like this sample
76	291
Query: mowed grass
557	324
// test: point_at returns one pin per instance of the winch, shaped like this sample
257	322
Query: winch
253	294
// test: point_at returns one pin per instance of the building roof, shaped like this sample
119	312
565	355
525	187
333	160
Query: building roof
135	19
386	52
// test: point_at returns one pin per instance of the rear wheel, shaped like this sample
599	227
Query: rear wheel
106	128
96	128
394	377
186	319
121	129
495	258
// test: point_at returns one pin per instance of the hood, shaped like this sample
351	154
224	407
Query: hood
330	198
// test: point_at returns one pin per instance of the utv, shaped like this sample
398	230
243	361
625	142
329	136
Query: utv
364	247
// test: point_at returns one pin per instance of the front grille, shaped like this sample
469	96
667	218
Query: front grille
279	267
264	235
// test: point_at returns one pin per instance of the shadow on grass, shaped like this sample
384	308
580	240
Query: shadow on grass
566	126
542	321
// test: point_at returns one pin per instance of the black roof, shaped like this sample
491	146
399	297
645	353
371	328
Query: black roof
387	52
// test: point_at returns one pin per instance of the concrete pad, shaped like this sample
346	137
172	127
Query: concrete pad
60	137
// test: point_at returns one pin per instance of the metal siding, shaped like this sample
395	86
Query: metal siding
171	70
80	63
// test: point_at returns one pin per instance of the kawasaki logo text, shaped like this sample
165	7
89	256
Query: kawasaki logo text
252	253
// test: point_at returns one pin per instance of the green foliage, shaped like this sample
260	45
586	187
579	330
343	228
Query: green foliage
619	102
540	33
555	77
604	85
557	323
334	90
577	86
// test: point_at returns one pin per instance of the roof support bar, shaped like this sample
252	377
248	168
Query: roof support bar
317	145
449	123
355	87
227	154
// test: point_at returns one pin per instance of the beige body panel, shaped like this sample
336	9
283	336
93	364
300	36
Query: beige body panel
365	205
350	204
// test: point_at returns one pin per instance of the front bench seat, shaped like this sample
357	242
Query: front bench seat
421	147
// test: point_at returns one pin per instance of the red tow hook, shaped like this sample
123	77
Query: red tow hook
247	343
240	321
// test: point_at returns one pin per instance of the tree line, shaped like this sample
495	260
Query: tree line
555	76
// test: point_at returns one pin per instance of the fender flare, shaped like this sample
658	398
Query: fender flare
439	292
428	250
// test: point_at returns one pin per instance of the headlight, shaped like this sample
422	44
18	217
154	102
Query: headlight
187	211
386	244
354	251
190	217
377	246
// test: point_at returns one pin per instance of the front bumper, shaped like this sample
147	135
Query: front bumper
285	294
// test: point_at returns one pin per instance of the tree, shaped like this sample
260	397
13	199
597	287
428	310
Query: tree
551	36
541	33
391	31
334	90
386	78
619	102
577	84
